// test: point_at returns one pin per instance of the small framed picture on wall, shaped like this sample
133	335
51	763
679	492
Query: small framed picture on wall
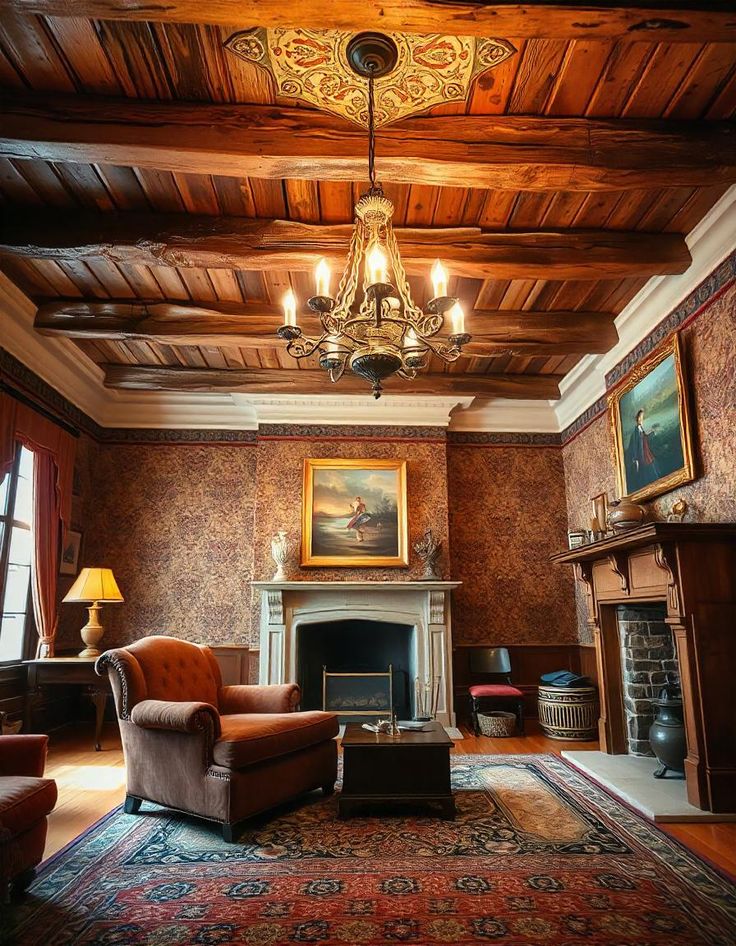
70	548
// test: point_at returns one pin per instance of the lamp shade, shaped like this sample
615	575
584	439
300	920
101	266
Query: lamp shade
94	584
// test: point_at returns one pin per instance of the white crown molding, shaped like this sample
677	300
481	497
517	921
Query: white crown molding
354	410
58	362
710	242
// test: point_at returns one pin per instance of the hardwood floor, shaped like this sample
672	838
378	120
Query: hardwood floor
91	783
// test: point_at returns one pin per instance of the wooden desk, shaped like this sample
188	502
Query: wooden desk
67	671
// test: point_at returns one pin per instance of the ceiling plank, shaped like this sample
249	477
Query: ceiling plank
509	152
313	381
677	20
185	241
254	325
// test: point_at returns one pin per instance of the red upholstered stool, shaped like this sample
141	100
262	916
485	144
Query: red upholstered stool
494	662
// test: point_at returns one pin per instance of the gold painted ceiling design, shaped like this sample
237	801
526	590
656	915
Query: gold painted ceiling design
311	66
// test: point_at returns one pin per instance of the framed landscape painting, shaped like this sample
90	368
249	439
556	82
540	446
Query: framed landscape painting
354	513
650	424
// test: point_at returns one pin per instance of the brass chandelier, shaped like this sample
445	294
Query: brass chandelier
373	325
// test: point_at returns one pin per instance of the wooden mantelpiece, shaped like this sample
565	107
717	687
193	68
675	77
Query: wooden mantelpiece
692	569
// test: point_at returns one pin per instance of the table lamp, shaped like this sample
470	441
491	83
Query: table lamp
96	586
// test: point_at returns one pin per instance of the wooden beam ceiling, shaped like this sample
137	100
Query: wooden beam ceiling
506	152
315	381
183	240
655	20
253	326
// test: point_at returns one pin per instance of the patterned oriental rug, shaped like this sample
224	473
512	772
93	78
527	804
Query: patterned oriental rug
538	855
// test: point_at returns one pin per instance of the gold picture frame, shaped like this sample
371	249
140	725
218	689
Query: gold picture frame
354	514
650	425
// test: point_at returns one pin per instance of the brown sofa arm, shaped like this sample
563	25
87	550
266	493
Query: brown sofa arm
274	698
23	755
176	717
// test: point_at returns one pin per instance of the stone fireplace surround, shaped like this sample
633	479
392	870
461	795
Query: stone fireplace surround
423	605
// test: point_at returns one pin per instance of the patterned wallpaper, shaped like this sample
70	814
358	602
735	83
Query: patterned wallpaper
709	343
175	523
507	516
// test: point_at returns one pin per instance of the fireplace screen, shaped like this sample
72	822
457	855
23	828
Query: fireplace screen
358	694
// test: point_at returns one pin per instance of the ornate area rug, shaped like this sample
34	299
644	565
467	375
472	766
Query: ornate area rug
538	855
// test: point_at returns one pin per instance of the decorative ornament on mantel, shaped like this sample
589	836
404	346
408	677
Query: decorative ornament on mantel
624	514
429	551
280	548
373	326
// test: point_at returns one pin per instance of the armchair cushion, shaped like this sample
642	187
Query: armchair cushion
253	737
24	801
278	698
23	755
180	717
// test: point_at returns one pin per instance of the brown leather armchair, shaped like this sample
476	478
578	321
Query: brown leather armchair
26	798
222	753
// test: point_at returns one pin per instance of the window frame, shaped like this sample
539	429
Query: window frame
8	524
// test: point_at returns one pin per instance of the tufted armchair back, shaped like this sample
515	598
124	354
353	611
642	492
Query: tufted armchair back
161	668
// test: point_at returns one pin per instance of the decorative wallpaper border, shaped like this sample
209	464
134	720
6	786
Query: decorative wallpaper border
483	438
340	432
697	302
167	436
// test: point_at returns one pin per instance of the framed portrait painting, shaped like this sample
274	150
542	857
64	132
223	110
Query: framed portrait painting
70	548
650	424
354	513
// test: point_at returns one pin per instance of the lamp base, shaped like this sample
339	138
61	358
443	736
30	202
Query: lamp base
92	632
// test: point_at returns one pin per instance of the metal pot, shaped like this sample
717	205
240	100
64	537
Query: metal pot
623	514
667	732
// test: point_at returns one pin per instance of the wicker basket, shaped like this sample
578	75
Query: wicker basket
497	723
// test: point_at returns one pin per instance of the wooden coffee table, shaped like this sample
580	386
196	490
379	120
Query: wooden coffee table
413	767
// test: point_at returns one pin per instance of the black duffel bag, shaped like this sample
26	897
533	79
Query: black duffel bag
564	678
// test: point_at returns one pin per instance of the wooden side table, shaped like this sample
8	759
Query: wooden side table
67	671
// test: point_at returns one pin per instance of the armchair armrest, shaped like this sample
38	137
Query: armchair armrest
23	755
274	698
176	717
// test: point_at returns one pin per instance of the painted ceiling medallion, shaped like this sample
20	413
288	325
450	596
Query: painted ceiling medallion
312	66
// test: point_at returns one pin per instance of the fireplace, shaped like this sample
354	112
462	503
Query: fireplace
647	657
307	624
356	647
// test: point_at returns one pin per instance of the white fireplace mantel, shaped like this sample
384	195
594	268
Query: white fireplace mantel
423	605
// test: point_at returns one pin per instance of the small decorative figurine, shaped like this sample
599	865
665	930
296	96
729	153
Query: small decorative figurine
429	552
678	511
280	553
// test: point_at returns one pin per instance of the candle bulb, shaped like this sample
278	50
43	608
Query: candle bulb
322	276
439	279
289	304
376	264
457	320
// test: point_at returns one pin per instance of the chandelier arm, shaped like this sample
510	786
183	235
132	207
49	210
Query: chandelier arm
445	352
304	346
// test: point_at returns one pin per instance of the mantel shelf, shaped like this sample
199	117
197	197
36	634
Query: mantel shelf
355	585
650	533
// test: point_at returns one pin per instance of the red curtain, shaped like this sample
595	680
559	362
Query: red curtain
53	472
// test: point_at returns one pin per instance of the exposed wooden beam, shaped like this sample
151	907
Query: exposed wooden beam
182	240
254	325
650	20
315	381
503	152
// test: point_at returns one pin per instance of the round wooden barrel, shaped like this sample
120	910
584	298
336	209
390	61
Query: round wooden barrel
568	713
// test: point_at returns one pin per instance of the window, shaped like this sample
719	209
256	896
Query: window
16	550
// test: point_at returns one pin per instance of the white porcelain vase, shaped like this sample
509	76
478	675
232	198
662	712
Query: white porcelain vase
280	552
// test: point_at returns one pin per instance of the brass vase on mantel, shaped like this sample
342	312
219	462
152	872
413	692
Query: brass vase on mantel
623	515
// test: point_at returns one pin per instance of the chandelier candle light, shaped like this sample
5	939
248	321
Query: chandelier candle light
372	324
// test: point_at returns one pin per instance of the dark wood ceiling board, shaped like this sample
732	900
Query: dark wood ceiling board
89	189
123	185
110	276
43	179
474	203
596	210
15	187
625	65
694	209
335	201
133	52
84	55
252	285
630	208
490	93
142	281
535	78
701	88
577	77
26	279
490	293
169	282
160	190
194	62
663	210
449	208
10	76
268	198
84	279
198	284
563	209
234	196
52	272
421	206
516	294
666	69
33	53
724	104
528	209
197	192
497	209
302	200
225	284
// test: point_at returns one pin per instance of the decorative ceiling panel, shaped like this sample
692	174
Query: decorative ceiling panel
312	66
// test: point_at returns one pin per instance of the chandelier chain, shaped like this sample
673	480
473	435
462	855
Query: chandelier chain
374	188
